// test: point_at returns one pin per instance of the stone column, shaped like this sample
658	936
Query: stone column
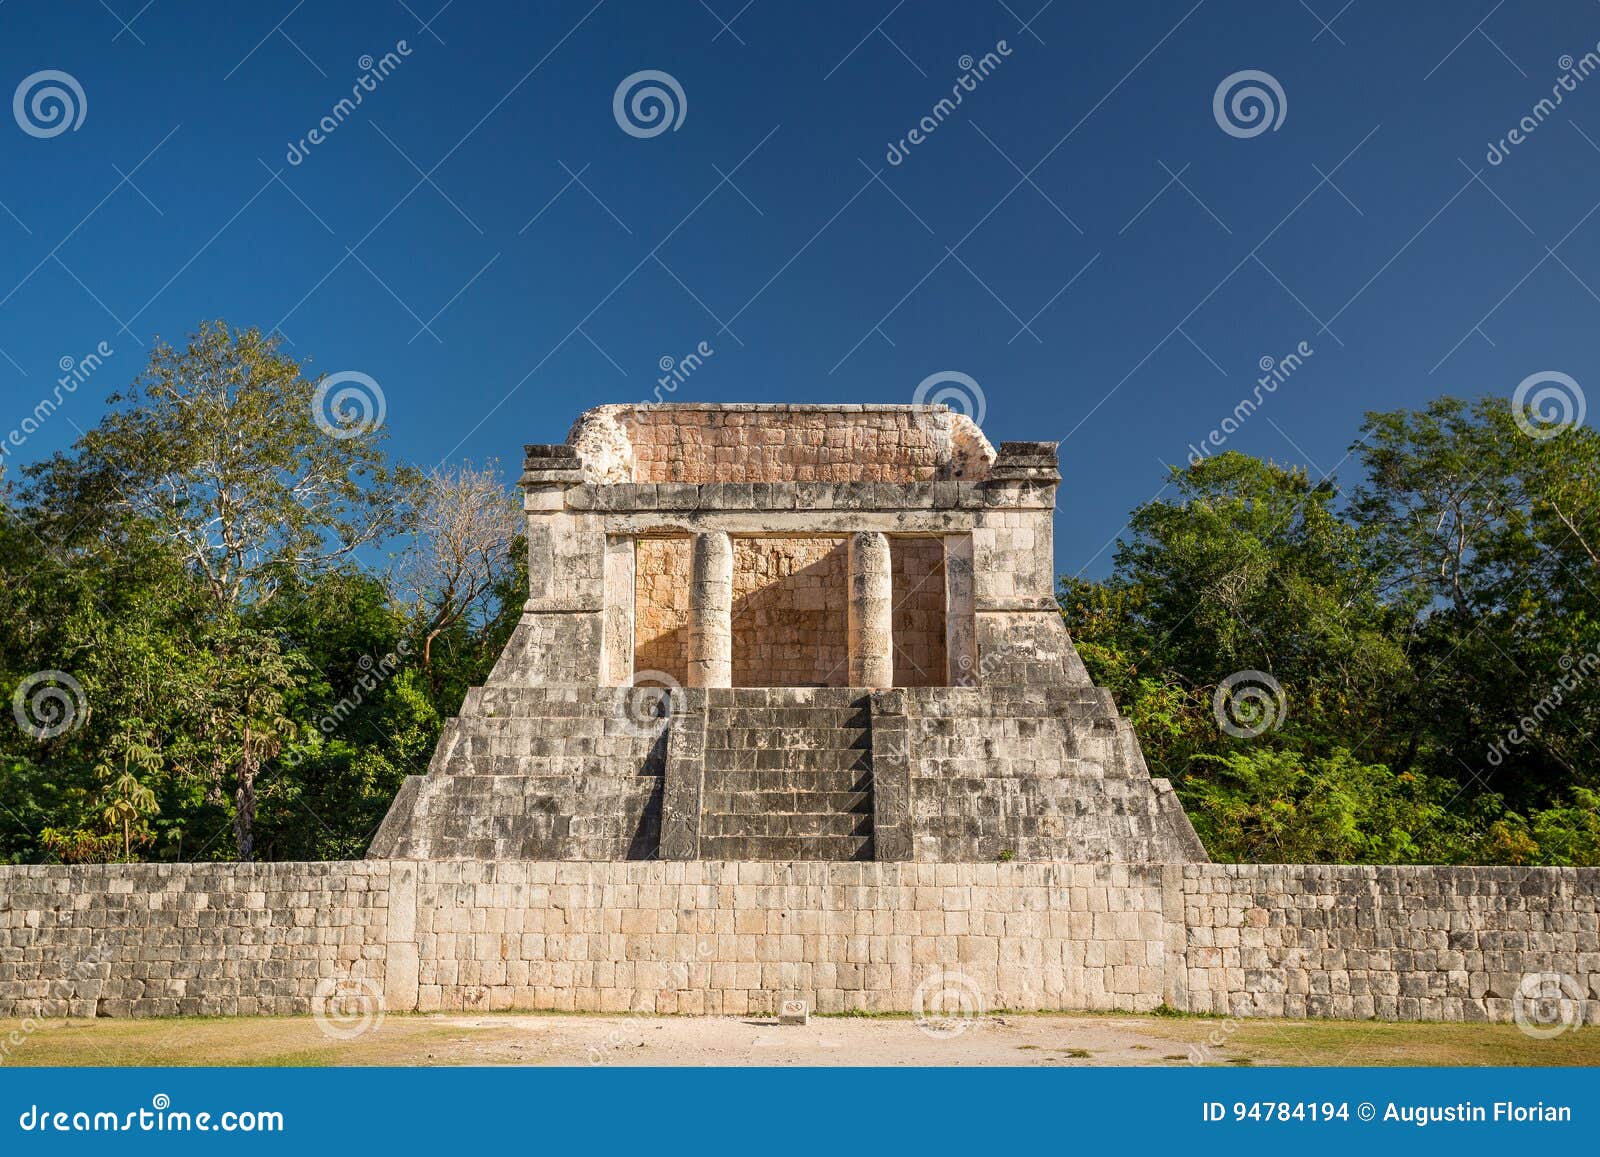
870	611
711	610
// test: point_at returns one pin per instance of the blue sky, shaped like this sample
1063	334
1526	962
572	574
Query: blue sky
1080	236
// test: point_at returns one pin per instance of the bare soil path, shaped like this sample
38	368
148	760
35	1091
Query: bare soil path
558	1039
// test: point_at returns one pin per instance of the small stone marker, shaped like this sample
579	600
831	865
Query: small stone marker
793	1012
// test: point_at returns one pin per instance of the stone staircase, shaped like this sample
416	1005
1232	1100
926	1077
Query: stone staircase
788	775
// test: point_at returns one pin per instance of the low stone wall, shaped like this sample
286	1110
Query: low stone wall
1400	943
736	938
187	939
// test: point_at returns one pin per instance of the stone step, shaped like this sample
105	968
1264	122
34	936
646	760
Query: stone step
612	746
854	780
562	702
727	759
461	763
791	824
802	738
780	848
834	697
724	801
786	717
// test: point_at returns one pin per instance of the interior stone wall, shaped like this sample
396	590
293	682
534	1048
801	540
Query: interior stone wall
789	612
917	572
729	444
661	607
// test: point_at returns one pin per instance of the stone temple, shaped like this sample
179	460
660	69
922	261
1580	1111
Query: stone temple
788	633
791	715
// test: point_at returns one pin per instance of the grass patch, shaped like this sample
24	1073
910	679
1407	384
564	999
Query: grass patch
1167	1012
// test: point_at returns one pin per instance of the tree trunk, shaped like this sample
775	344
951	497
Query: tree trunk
244	812
244	816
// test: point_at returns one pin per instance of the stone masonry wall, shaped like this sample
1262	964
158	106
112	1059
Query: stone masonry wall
188	939
1406	943
789	625
798	443
734	938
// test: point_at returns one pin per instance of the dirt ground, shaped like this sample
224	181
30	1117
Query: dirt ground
1010	1039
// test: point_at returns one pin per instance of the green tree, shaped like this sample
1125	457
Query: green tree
236	707
217	446
1487	536
1249	567
1435	635
1282	807
126	803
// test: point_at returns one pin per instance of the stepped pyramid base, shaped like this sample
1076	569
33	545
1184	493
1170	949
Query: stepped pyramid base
788	774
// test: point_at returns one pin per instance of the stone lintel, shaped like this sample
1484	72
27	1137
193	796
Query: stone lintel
1029	491
782	524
